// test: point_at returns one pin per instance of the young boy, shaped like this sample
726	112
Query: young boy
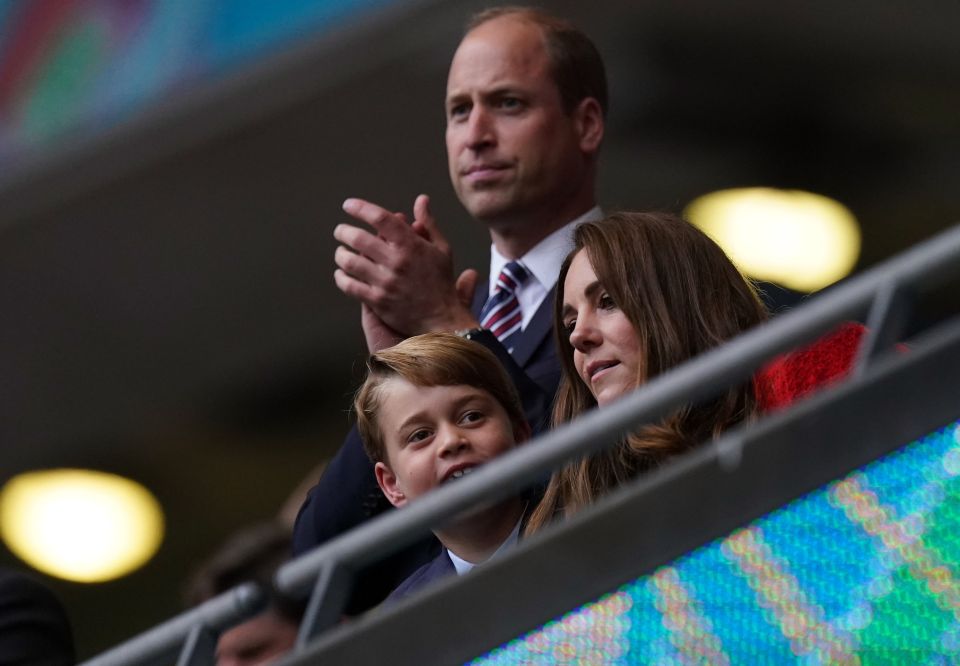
432	409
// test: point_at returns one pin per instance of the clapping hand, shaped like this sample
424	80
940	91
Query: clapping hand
401	273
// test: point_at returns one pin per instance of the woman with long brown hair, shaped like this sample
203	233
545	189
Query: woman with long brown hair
639	294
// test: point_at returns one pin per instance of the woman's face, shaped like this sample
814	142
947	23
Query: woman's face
606	349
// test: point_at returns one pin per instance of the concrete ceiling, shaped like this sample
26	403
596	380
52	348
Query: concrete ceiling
167	289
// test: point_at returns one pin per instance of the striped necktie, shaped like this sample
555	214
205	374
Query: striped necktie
501	314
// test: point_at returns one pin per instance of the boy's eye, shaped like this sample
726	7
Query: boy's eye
418	435
472	416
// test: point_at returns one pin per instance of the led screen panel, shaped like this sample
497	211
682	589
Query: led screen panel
863	570
84	66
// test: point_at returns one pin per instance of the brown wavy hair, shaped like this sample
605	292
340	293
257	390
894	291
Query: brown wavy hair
683	296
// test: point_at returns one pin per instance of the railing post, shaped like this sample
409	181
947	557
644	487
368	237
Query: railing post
200	647
184	634
886	321
327	601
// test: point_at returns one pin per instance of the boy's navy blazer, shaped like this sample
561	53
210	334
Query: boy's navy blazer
347	494
439	567
442	566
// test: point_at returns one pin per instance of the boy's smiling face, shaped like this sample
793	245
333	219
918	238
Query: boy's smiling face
433	434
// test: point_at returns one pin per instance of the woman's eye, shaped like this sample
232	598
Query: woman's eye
606	302
569	326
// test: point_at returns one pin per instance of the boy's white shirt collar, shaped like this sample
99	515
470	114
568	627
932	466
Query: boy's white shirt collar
462	566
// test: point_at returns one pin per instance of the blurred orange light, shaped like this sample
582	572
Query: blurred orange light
80	525
797	239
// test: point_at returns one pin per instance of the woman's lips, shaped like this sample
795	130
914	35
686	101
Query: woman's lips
598	369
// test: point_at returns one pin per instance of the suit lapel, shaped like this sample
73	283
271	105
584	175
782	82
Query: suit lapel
480	293
536	331
441	567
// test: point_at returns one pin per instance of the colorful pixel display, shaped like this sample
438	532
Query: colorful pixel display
865	570
83	66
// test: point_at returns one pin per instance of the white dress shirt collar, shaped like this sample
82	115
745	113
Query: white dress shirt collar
543	261
462	566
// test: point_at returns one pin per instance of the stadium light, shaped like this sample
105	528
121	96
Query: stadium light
80	525
797	239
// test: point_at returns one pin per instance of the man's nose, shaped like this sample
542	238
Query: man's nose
479	128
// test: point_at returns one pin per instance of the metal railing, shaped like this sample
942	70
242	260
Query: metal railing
191	634
883	293
755	471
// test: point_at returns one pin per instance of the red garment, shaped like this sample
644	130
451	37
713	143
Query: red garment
799	373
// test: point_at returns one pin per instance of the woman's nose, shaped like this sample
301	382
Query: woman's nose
584	335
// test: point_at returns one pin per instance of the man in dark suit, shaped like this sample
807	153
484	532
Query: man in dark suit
526	101
33	625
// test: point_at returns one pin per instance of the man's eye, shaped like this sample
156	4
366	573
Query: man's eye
459	111
510	103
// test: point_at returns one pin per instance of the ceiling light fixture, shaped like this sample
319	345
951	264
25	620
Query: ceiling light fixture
797	239
80	525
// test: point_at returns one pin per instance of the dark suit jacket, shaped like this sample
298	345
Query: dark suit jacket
34	628
348	495
439	567
442	566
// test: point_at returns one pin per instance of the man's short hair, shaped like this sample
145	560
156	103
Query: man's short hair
431	359
575	62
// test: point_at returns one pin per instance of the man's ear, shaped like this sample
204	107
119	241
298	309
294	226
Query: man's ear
387	481
590	124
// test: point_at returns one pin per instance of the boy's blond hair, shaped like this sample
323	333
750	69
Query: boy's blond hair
432	359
